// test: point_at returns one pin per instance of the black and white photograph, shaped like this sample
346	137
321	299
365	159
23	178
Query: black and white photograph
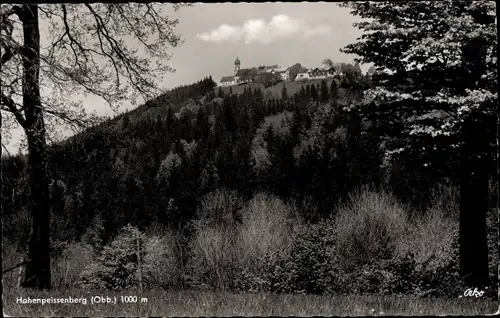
249	159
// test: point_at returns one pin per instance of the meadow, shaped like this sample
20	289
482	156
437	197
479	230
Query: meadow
220	304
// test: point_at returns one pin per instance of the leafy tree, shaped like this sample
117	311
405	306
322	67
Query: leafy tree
438	93
118	265
294	70
328	63
86	54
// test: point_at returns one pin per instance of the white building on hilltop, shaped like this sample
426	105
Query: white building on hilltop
283	72
227	81
315	73
302	75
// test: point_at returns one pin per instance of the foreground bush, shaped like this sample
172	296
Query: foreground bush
116	267
311	266
161	265
265	229
229	255
211	252
212	259
370	246
219	208
368	228
418	257
68	266
264	238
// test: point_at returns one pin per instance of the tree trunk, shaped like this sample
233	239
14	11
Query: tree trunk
498	166
473	208
498	184
37	274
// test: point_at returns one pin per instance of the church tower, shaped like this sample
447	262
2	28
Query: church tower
236	65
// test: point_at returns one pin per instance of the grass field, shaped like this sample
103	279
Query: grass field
193	304
292	87
238	89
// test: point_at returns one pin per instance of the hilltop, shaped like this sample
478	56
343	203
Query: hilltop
274	91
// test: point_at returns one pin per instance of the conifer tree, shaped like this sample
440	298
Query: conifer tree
284	93
334	90
314	93
324	91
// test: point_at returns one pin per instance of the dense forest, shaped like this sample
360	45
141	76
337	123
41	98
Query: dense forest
161	151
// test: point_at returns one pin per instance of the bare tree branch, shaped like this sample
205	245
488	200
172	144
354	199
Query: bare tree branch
86	52
11	107
15	9
16	266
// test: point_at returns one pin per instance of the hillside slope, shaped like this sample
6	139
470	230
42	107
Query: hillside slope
274	91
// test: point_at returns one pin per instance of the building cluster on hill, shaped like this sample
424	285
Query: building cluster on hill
273	73
315	73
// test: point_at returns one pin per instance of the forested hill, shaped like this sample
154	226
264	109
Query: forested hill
154	163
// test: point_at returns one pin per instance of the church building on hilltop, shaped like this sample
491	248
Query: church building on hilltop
247	75
234	79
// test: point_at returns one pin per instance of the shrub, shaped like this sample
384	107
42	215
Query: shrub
68	266
368	227
211	252
263	238
445	199
424	278
265	228
230	256
161	266
93	236
116	267
16	227
310	266
211	265
218	208
430	238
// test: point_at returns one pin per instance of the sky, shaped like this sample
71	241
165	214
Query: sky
259	34
215	34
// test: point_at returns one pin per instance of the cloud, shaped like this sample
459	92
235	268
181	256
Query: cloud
257	30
